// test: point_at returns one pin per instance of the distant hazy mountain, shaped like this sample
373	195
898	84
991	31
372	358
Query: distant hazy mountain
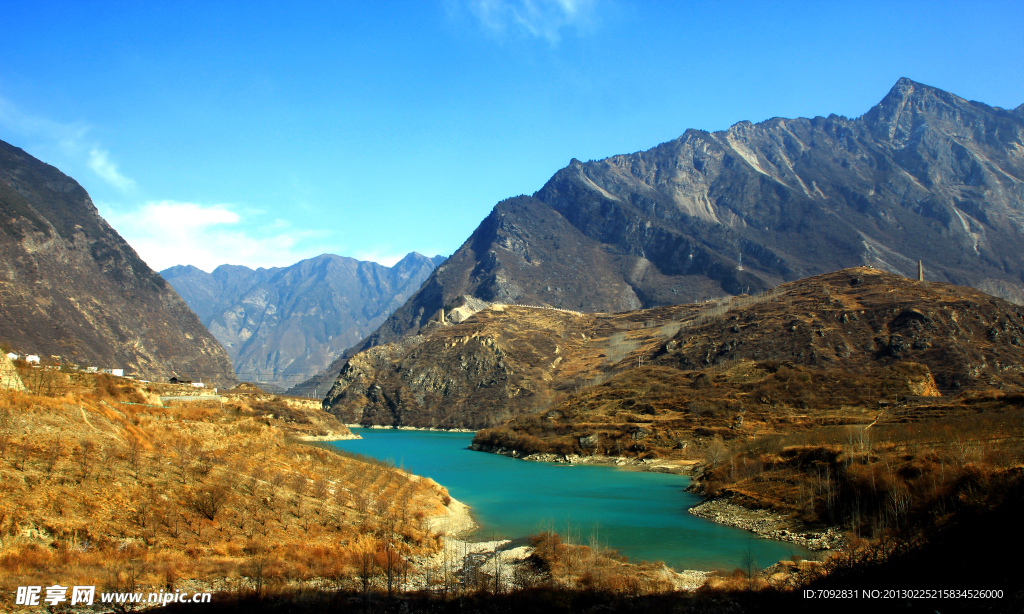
923	175
282	325
70	285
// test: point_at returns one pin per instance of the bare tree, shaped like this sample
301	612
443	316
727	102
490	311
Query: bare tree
141	510
182	458
321	488
85	457
259	561
133	455
698	409
365	564
299	483
275	482
897	503
202	463
209	500
716	452
53	454
22	453
749	565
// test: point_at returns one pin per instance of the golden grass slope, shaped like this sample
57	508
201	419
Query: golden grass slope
96	491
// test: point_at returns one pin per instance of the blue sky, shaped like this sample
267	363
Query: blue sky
261	133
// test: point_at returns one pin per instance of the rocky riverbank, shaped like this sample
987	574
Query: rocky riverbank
462	561
329	437
679	466
455	522
465	562
408	428
768	524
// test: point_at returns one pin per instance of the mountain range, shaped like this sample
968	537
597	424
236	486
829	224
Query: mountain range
923	176
70	286
284	324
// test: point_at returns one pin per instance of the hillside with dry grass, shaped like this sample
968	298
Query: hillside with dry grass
853	348
855	329
882	407
104	486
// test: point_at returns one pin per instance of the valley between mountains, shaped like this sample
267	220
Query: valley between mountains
817	321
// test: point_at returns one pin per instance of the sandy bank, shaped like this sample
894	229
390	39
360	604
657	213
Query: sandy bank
456	520
328	437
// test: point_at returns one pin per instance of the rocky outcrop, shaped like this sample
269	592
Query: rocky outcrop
856	317
499	363
71	287
768	524
654	466
284	324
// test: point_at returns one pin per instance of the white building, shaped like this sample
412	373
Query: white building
32	358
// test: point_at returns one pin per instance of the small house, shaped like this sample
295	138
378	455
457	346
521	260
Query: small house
180	380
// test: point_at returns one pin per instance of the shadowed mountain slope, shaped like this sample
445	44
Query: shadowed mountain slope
70	286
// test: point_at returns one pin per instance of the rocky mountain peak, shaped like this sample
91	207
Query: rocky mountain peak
923	175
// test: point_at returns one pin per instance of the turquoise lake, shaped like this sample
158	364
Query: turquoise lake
642	515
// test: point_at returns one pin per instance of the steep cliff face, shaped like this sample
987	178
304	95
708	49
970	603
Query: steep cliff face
476	374
284	324
924	175
70	286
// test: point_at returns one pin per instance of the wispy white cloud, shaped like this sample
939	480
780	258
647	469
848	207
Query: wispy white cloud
99	162
167	233
68	140
545	19
67	137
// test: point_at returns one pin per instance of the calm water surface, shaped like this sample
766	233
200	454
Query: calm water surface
640	514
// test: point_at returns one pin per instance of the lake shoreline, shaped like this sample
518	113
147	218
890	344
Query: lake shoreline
769	524
329	437
408	428
631	516
459	555
676	466
764	523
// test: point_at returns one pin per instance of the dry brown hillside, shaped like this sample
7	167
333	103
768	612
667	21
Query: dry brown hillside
105	487
508	361
857	399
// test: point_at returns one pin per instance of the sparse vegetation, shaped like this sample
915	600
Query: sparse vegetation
99	492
